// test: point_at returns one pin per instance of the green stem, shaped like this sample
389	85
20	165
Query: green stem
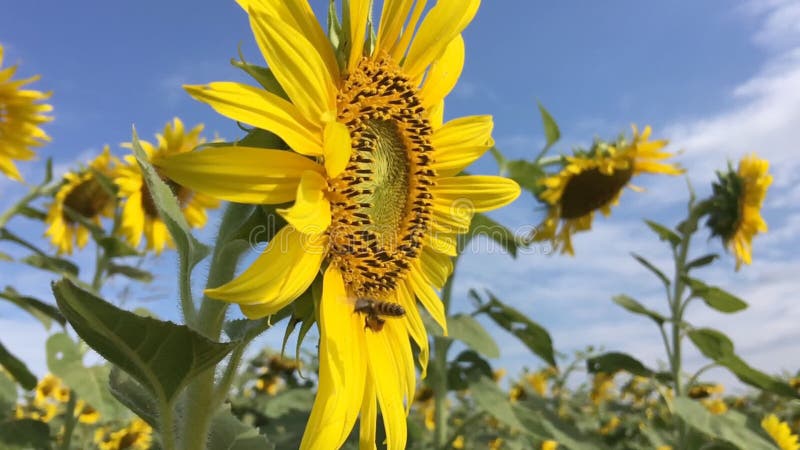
224	384
199	403
167	426
69	422
33	193
101	265
439	382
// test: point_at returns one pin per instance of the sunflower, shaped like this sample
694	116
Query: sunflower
373	176
139	215
137	435
592	181
735	207
21	113
82	193
86	413
780	433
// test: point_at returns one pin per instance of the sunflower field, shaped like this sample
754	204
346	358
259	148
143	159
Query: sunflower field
348	266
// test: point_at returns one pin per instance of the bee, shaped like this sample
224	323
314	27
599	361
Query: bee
374	309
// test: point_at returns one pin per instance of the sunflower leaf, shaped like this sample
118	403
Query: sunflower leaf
715	297
17	369
229	433
664	233
469	331
637	308
551	131
134	273
489	397
718	347
612	362
650	266
526	174
701	261
24	433
162	356
733	426
116	247
131	394
484	225
42	311
530	333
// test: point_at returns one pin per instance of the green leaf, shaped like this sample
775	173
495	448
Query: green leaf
42	311
731	426
17	369
228	433
25	434
32	213
262	139
5	257
190	251
551	131
526	174
539	420
8	395
484	225
262	75
718	347
469	331
612	362
465	369
530	333
163	356
65	360
136	398
490	398
664	233
701	261
52	264
287	401
652	268
116	247
637	308
133	273
715	297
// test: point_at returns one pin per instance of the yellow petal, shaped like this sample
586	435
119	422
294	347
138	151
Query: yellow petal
389	385
414	324
240	174
428	297
337	148
436	115
359	13
436	267
479	192
398	49
297	65
446	20
342	368
280	274
299	15
393	15
444	73
368	423
132	225
460	142
311	212
264	110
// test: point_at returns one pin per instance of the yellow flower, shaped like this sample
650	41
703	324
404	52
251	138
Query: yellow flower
139	214
84	195
610	426
602	385
735	207
51	387
43	411
549	445
21	113
377	200
496	444
705	390
715	406
592	181
86	413
137	435
517	393
780	433
538	381
498	374
664	447
458	442
268	383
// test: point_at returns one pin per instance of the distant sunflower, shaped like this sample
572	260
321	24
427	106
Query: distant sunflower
372	173
593	181
780	433
21	113
735	207
139	214
83	194
138	435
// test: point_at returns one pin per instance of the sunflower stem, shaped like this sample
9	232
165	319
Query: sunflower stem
200	404
439	382
69	422
167	426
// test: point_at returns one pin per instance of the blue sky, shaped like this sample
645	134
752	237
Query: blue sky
718	78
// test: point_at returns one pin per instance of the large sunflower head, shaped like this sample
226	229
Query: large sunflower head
735	206
85	194
21	114
139	214
372	173
593	180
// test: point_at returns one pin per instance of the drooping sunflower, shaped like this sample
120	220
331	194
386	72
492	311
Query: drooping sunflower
82	193
593	181
373	176
780	433
735	206
21	114
139	214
